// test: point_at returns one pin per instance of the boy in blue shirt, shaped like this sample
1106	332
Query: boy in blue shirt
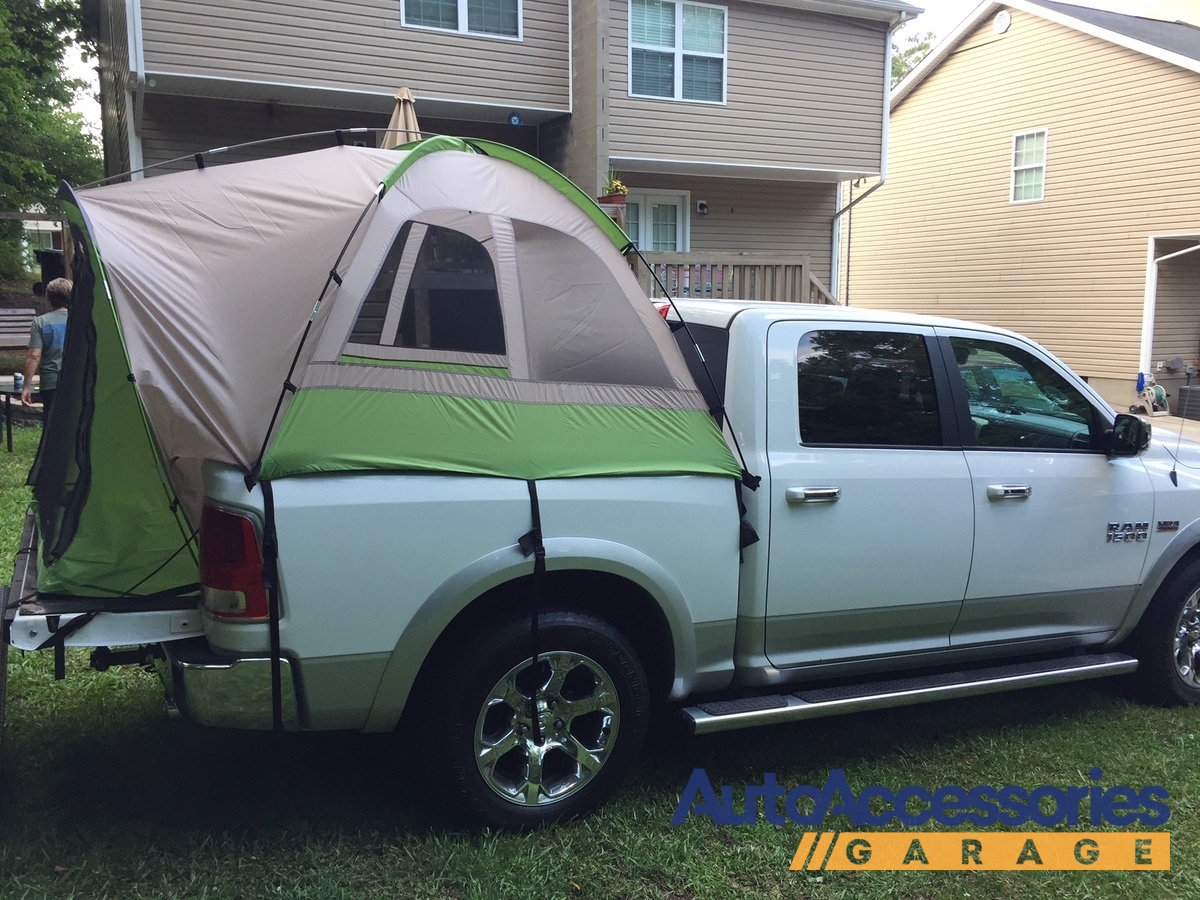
46	339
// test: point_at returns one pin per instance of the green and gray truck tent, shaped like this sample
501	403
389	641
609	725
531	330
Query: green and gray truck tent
481	320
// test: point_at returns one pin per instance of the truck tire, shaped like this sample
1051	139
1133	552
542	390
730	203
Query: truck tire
1167	641
593	707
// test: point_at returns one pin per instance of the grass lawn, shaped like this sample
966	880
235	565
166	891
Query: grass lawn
102	796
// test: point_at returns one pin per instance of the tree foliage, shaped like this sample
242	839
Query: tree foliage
44	141
907	54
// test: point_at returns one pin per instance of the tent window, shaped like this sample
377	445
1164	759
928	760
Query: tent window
451	302
368	328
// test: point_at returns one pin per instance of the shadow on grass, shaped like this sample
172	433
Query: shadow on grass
98	749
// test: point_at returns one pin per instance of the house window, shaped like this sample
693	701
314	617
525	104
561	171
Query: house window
658	222
500	18
1029	166
677	50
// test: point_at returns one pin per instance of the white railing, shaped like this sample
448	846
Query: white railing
738	276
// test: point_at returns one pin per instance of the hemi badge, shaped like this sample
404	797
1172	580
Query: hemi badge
1167	526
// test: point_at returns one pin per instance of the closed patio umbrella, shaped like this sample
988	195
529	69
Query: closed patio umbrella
402	127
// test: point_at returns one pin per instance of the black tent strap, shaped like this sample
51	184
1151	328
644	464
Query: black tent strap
749	480
59	634
271	579
531	544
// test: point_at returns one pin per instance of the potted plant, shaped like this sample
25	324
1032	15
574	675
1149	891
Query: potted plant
614	190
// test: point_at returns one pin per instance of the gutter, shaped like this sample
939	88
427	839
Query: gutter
887	117
137	99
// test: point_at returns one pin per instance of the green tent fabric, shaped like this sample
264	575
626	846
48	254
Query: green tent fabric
108	521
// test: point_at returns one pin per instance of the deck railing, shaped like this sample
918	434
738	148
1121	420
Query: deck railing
738	276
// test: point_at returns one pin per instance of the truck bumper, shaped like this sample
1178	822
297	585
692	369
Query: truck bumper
224	691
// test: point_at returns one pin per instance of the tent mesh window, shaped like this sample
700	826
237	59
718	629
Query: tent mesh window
451	301
62	472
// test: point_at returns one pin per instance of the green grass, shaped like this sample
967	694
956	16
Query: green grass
102	796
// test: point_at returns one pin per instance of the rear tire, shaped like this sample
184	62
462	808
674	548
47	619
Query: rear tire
593	708
1167	641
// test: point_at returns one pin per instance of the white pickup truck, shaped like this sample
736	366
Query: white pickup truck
940	500
515	532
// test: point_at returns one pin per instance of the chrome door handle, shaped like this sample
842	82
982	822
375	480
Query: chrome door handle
1009	491
812	494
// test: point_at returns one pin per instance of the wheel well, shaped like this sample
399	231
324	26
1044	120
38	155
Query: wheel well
627	606
1191	555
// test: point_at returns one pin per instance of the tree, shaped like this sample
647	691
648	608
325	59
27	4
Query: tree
907	54
44	141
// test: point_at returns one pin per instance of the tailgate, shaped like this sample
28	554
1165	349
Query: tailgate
36	622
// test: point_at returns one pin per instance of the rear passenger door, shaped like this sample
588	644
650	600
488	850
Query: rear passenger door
871	518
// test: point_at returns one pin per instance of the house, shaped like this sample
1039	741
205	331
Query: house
731	123
1042	175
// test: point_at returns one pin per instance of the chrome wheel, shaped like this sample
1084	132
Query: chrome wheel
577	713
1187	641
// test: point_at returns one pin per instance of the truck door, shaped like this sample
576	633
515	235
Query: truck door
1061	531
871	520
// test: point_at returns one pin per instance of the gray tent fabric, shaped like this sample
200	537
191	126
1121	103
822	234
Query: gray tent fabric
214	274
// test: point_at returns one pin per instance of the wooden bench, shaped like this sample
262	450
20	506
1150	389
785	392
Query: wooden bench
14	328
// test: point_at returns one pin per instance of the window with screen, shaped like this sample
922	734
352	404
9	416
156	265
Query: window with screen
499	18
450	300
677	51
866	388
1029	166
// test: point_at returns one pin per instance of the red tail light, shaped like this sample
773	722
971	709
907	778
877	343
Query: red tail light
663	307
231	566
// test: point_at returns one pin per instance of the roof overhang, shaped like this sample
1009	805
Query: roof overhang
891	11
380	102
989	7
707	169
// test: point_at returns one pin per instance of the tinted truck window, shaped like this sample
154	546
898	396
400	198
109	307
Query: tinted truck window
866	388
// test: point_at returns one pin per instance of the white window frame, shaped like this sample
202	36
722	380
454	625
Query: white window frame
679	54
682	200
1014	168
462	24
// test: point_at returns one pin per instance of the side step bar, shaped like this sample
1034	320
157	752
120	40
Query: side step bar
726	715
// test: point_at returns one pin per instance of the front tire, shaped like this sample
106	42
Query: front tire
1167	641
592	710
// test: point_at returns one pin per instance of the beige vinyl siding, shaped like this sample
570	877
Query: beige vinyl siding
175	127
790	219
359	45
113	56
803	91
1176	314
942	236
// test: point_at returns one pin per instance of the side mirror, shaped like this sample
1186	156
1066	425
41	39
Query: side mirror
1129	436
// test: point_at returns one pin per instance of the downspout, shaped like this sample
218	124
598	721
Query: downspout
135	98
883	155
